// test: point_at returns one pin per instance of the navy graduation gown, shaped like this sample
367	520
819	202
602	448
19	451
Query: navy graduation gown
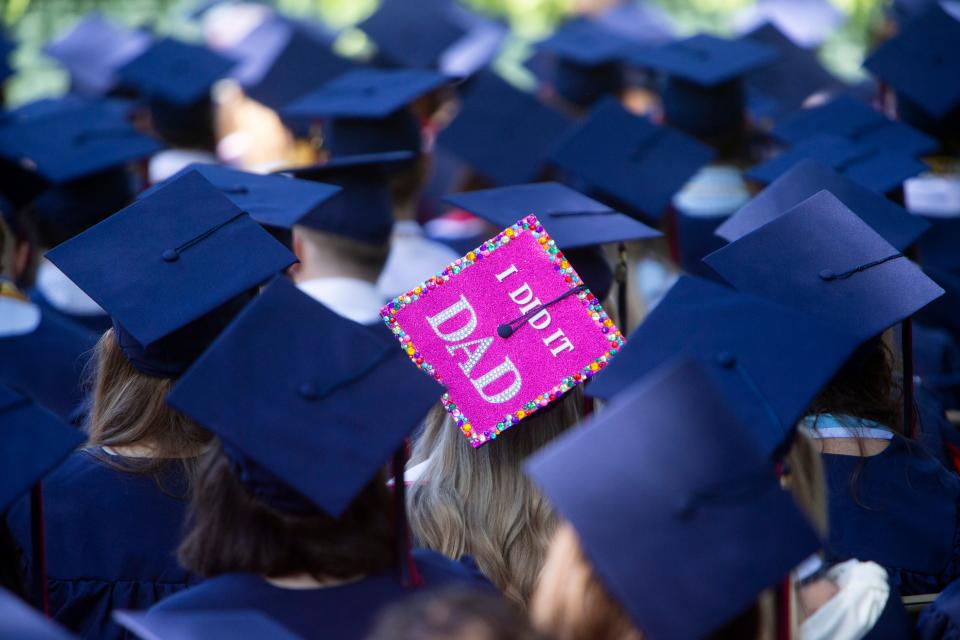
936	359
111	541
894	622
47	364
344	612
96	323
899	509
941	619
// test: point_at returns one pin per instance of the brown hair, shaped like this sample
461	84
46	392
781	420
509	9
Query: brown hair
230	530
803	477
453	613
864	387
572	604
478	502
129	408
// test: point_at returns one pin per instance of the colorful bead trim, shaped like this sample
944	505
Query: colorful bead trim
592	306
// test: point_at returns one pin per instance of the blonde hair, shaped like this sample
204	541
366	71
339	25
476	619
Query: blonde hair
570	603
803	477
478	502
129	408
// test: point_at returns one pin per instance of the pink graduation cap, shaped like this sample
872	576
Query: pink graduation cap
507	329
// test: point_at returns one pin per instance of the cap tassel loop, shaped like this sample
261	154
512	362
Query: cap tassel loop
729	361
829	275
410	577
172	255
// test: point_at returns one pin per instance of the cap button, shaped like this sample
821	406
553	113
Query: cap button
307	391
726	359
170	255
827	274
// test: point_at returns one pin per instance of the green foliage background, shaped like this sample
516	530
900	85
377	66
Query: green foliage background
33	22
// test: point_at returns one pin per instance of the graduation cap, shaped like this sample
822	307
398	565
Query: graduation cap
413	33
272	200
880	171
578	224
241	624
366	110
281	60
642	22
783	86
821	258
495	116
851	119
20	620
75	141
175	73
363	210
665	474
808	177
171	270
34	440
475	50
807	23
743	343
629	160
702	92
508	329
922	62
304	427
586	61
92	51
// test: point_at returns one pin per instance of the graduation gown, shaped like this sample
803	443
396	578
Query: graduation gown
47	363
111	541
941	619
899	509
344	612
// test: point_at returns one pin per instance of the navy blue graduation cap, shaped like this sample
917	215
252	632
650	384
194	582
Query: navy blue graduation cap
821	258
171	270
744	343
363	210
669	476
282	59
881	171
367	110
75	141
643	22
849	118
296	393
413	33
807	23
781	87
805	179
505	134
586	61
175	73
629	160
20	620
922	62
703	92
240	624
272	200
92	51
572	219
34	441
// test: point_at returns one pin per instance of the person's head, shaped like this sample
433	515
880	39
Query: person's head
185	127
232	528
453	613
326	255
865	386
478	502
129	410
570	603
407	184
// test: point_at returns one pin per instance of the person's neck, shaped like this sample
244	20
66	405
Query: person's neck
317	271
307	581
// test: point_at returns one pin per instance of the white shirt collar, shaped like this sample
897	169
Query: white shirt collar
352	298
856	607
62	294
17	317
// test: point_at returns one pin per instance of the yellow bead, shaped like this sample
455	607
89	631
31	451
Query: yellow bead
594	367
521	414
